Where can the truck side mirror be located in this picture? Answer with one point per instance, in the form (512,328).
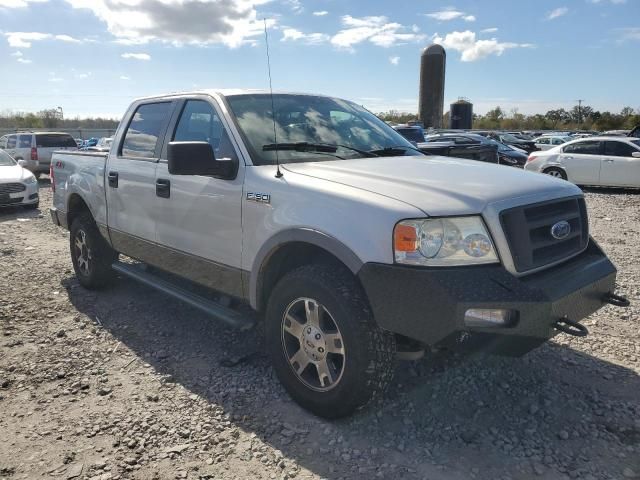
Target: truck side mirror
(635,154)
(197,158)
(22,163)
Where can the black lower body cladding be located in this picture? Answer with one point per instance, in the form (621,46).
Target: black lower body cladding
(429,304)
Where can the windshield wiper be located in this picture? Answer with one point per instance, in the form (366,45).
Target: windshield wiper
(314,147)
(393,149)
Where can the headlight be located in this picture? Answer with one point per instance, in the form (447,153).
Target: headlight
(443,242)
(30,180)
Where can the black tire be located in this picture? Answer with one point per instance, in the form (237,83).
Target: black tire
(33,206)
(369,352)
(37,175)
(555,172)
(97,271)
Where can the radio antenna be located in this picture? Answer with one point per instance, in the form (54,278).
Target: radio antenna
(273,107)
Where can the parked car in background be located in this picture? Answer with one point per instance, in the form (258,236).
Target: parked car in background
(508,139)
(414,134)
(546,142)
(635,132)
(617,133)
(18,186)
(36,148)
(460,145)
(91,142)
(79,142)
(508,155)
(103,145)
(603,161)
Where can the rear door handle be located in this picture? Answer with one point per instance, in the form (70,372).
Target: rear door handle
(163,188)
(113,179)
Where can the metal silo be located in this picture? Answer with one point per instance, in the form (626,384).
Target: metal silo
(432,71)
(461,115)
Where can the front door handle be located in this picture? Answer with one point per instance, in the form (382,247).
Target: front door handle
(113,179)
(609,160)
(163,188)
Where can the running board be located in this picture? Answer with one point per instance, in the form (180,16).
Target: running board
(220,312)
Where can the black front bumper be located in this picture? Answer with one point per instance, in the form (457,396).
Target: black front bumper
(429,304)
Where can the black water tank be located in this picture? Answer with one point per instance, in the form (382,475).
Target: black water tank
(432,72)
(461,115)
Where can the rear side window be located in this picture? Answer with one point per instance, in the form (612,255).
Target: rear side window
(54,140)
(619,149)
(11,141)
(543,141)
(145,128)
(3,142)
(24,141)
(585,148)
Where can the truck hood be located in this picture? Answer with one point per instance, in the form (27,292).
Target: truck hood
(438,185)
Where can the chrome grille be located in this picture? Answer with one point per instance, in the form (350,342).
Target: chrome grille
(528,232)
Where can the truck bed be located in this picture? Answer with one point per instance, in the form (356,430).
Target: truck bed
(81,173)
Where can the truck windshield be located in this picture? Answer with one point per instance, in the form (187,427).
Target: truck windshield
(311,120)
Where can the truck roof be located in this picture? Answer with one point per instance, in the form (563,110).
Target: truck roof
(225,92)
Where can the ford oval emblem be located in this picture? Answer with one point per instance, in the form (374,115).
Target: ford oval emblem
(561,230)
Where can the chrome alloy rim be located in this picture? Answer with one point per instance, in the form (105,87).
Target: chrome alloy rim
(83,253)
(313,344)
(554,173)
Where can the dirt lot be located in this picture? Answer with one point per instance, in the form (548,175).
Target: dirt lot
(125,383)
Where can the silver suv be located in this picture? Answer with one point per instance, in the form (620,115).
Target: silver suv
(36,148)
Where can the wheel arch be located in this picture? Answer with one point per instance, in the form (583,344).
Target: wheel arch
(76,205)
(290,249)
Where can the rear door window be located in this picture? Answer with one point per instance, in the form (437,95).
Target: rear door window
(11,141)
(24,141)
(589,147)
(543,141)
(144,130)
(619,149)
(55,140)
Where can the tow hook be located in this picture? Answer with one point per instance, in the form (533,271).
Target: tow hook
(570,327)
(616,300)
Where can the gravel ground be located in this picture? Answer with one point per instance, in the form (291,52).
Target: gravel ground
(126,383)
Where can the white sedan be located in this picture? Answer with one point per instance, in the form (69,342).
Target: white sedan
(547,142)
(18,186)
(603,161)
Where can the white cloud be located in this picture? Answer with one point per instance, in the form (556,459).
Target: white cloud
(557,12)
(308,38)
(24,39)
(448,14)
(67,38)
(83,76)
(54,78)
(24,60)
(295,6)
(18,3)
(473,49)
(394,60)
(489,30)
(17,54)
(136,56)
(615,2)
(124,77)
(377,30)
(321,13)
(628,34)
(230,22)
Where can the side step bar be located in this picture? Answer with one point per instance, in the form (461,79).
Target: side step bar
(220,312)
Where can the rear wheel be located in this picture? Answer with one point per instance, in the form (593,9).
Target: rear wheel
(556,172)
(91,255)
(324,344)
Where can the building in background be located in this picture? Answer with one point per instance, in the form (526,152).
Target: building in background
(431,96)
(461,115)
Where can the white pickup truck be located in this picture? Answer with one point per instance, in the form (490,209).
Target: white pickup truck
(354,247)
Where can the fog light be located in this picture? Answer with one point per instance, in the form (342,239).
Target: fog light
(489,317)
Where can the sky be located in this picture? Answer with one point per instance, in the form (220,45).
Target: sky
(93,57)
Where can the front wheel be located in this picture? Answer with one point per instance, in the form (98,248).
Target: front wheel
(556,172)
(325,346)
(91,255)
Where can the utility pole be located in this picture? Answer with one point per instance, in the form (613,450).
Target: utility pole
(580,100)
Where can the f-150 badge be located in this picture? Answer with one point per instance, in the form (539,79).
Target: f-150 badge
(259,197)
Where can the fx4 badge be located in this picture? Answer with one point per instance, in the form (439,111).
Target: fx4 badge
(259,197)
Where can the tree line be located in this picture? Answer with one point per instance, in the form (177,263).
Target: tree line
(578,118)
(52,119)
